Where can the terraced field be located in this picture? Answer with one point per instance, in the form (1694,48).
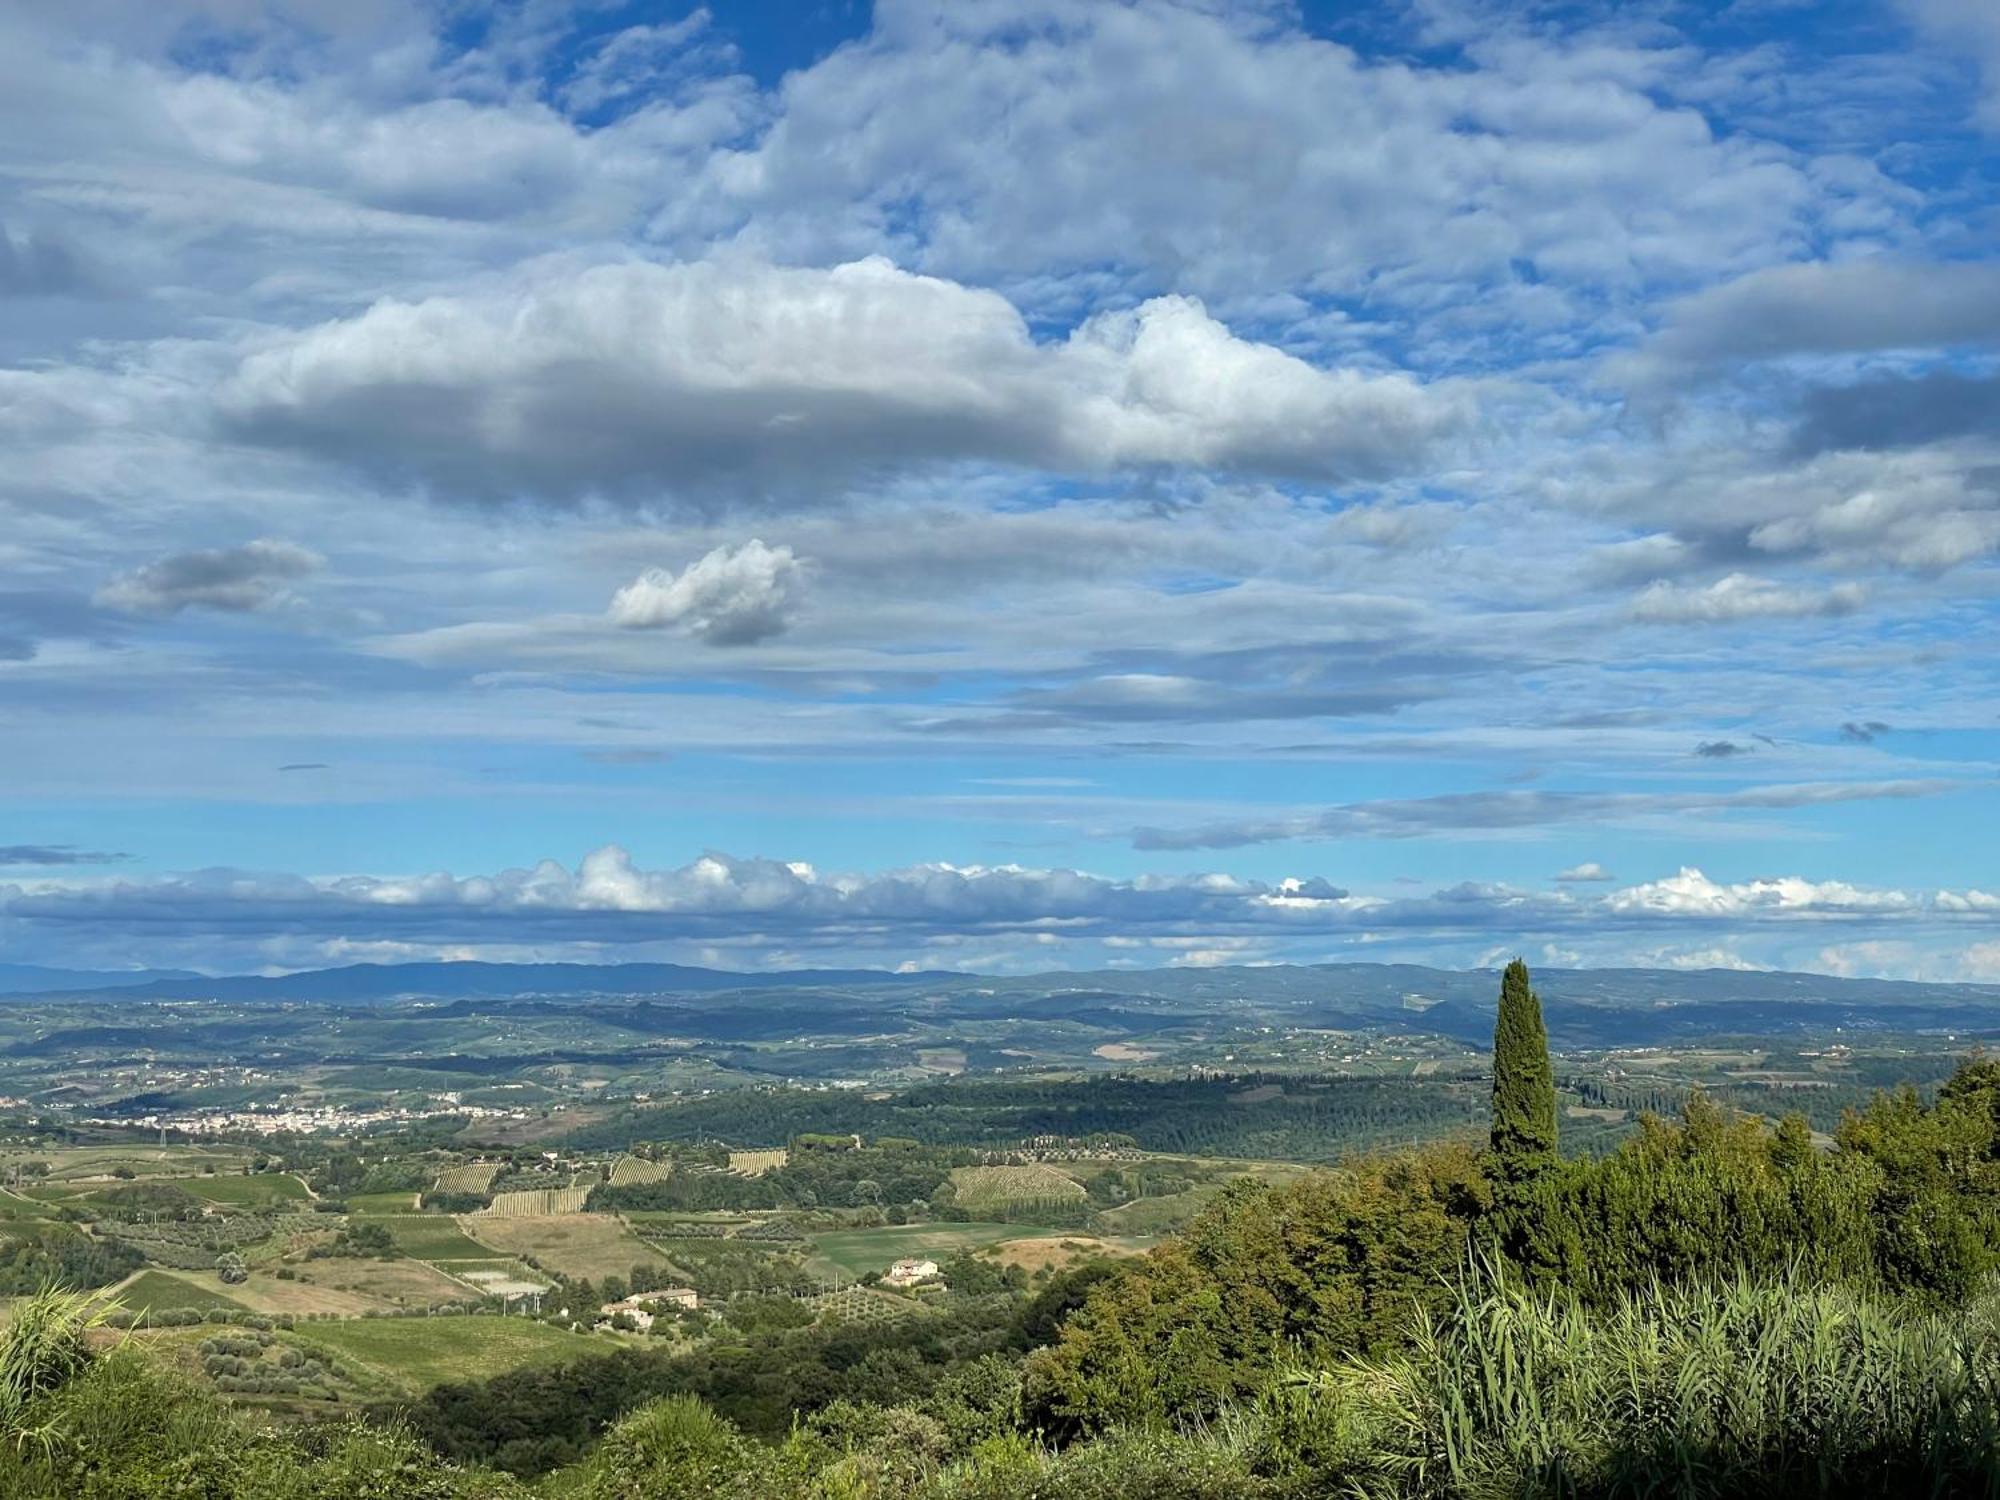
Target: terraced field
(537,1202)
(630,1171)
(468,1177)
(1000,1189)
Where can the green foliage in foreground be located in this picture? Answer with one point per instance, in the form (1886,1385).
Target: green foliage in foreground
(1338,1264)
(1772,1387)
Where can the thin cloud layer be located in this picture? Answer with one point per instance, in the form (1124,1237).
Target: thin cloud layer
(1476,812)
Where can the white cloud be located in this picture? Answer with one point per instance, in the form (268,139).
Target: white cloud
(1691,893)
(1924,527)
(730,597)
(1741,596)
(1589,872)
(731,376)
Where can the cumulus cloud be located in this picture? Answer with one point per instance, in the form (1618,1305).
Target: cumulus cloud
(1691,893)
(1742,596)
(1473,812)
(730,597)
(232,579)
(734,376)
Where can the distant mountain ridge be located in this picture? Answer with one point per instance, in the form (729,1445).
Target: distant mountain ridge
(1449,999)
(36,979)
(466,979)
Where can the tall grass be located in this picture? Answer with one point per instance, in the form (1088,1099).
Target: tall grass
(45,1346)
(1776,1388)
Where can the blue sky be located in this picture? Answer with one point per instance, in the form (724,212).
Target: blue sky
(999,484)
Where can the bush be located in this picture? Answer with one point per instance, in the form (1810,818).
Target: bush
(675,1449)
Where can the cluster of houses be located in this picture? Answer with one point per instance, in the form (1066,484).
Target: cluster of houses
(642,1310)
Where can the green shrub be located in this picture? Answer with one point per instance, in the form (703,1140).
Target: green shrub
(675,1449)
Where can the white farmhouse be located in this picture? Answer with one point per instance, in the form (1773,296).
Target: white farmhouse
(910,1272)
(641,1319)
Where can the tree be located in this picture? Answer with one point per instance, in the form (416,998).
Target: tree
(1524,1084)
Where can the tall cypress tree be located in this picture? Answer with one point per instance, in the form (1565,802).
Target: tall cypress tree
(1524,1081)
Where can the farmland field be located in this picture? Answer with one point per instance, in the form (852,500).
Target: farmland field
(266,1294)
(402,1283)
(593,1245)
(1059,1252)
(409,1355)
(429,1236)
(382,1203)
(756,1163)
(1158,1215)
(158,1291)
(247,1192)
(856,1250)
(144,1161)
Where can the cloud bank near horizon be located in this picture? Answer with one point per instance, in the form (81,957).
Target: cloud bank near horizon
(770,913)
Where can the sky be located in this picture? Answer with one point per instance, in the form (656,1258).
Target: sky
(1000,484)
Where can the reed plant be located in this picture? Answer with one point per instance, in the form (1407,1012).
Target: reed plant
(1777,1387)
